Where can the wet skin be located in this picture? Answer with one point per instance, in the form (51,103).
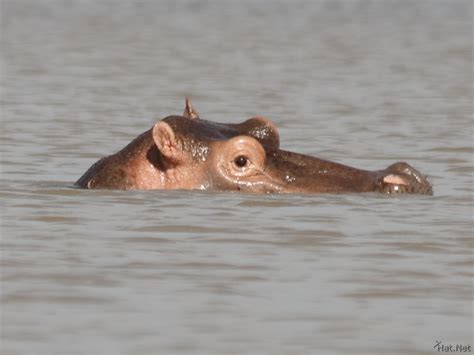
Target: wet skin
(186,152)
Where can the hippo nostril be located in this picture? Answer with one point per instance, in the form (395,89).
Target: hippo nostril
(415,182)
(394,179)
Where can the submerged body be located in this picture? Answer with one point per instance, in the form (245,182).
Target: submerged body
(186,152)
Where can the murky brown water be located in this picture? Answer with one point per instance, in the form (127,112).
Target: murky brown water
(362,83)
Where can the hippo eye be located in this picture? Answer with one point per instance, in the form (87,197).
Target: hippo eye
(241,161)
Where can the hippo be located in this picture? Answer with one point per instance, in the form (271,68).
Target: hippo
(187,152)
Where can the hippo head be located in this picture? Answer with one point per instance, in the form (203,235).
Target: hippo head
(216,158)
(186,152)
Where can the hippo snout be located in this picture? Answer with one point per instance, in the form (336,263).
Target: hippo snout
(403,178)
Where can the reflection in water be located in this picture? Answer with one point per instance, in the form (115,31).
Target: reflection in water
(147,272)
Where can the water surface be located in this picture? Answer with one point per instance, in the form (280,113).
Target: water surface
(187,272)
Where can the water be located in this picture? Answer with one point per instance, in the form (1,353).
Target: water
(183,272)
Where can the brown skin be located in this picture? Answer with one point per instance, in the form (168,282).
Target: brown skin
(185,152)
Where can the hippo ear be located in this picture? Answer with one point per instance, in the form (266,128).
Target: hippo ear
(189,111)
(165,140)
